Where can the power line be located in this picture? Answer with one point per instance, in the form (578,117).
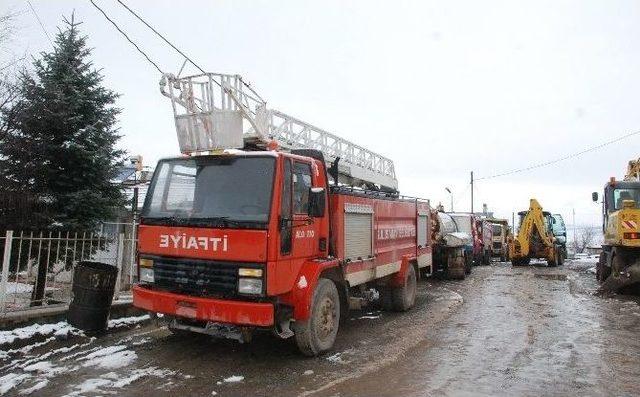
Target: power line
(127,37)
(35,14)
(570,156)
(159,35)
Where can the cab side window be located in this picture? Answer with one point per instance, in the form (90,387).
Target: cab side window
(301,186)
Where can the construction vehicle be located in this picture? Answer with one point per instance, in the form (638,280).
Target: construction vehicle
(269,223)
(535,238)
(618,268)
(559,230)
(486,232)
(500,238)
(449,247)
(467,223)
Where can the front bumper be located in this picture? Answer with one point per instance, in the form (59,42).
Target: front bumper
(204,309)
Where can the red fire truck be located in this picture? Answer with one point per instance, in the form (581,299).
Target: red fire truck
(234,241)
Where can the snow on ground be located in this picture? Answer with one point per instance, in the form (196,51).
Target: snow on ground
(234,378)
(18,288)
(9,381)
(60,329)
(124,321)
(368,317)
(39,385)
(110,357)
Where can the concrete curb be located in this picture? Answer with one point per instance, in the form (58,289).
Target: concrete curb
(56,313)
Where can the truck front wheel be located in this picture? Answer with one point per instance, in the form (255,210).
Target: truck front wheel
(318,333)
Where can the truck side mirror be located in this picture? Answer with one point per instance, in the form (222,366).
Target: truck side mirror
(316,202)
(594,197)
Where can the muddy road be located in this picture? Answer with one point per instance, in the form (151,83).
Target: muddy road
(503,331)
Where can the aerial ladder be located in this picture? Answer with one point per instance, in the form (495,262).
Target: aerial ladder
(535,238)
(618,268)
(215,112)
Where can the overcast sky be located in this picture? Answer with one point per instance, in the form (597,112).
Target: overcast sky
(442,88)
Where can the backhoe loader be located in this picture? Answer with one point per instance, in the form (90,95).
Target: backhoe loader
(535,238)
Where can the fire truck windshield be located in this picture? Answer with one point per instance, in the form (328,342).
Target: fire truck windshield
(218,191)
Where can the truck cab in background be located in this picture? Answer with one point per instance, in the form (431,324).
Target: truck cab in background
(486,231)
(619,265)
(559,230)
(499,239)
(467,223)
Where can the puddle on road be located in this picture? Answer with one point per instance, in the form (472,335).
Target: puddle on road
(547,276)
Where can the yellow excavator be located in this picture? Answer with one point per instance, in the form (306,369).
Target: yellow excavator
(619,266)
(535,238)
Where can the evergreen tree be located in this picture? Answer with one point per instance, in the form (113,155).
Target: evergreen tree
(61,147)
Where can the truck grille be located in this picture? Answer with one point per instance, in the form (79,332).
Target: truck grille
(497,246)
(198,277)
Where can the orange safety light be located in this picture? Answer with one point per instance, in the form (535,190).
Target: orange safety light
(272,145)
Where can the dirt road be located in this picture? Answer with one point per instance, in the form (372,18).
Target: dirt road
(503,331)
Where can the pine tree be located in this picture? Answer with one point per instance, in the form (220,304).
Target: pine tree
(61,148)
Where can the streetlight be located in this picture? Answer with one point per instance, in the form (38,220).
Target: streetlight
(451,194)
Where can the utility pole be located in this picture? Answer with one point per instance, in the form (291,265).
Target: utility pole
(472,192)
(513,222)
(450,194)
(575,238)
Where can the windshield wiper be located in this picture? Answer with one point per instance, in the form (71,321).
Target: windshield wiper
(215,221)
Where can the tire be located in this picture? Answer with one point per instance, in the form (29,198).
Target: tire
(618,264)
(404,298)
(602,270)
(317,334)
(468,263)
(556,257)
(455,269)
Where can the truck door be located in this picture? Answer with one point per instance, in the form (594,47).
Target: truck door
(298,232)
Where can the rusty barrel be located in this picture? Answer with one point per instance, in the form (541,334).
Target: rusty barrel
(92,294)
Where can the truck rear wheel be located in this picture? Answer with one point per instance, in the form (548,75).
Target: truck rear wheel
(404,298)
(602,270)
(318,333)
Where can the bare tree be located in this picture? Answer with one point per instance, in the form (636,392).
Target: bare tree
(9,72)
(584,239)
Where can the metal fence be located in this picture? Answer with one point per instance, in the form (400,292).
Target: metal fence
(31,259)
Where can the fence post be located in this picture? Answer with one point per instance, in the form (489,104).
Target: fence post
(132,250)
(6,260)
(119,263)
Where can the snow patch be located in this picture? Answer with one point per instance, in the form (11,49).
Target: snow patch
(61,329)
(18,288)
(10,381)
(335,358)
(110,357)
(124,321)
(234,379)
(368,317)
(308,372)
(35,387)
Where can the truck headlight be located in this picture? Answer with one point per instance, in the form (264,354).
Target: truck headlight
(146,275)
(250,286)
